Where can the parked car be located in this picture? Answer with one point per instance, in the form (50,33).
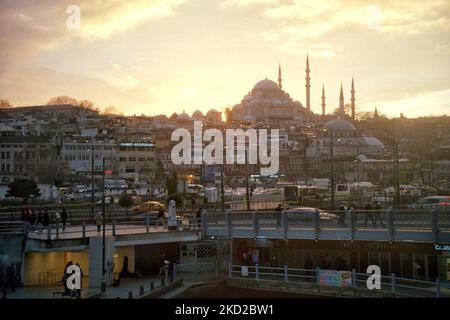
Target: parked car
(432,202)
(148,207)
(308,212)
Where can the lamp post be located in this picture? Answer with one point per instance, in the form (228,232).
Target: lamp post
(222,186)
(92,177)
(331,167)
(103,284)
(396,166)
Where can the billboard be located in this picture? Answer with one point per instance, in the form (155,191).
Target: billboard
(335,278)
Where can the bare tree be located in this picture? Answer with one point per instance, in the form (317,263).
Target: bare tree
(5,103)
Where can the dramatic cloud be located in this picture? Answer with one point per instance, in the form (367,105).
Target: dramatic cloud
(163,56)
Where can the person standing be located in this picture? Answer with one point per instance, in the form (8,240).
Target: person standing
(98,221)
(40,220)
(369,214)
(46,220)
(160,216)
(57,220)
(3,278)
(378,214)
(162,265)
(78,291)
(11,277)
(64,218)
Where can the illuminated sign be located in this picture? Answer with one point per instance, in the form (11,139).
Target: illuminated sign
(442,247)
(136,144)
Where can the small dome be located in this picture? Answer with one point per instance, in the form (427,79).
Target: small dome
(197,113)
(373,142)
(339,124)
(266,84)
(212,112)
(183,116)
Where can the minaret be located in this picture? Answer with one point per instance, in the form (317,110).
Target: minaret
(279,76)
(307,85)
(341,102)
(352,99)
(323,100)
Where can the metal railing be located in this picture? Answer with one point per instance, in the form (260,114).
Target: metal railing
(281,224)
(116,228)
(356,283)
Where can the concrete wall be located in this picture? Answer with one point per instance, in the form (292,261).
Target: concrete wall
(47,268)
(95,258)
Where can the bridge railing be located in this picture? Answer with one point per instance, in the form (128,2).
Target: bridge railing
(391,221)
(12,227)
(351,281)
(56,231)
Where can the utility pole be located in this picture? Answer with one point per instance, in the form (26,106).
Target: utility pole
(332,168)
(396,166)
(104,223)
(222,189)
(92,178)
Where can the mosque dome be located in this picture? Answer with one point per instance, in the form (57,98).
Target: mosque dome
(266,84)
(183,116)
(373,142)
(197,113)
(340,124)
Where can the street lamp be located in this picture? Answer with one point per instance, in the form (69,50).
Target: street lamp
(92,177)
(330,130)
(103,284)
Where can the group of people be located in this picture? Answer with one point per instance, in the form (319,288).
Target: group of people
(43,219)
(7,276)
(372,213)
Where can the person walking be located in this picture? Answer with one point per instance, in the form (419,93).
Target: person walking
(57,220)
(98,221)
(11,277)
(369,214)
(78,291)
(40,220)
(3,277)
(162,265)
(64,219)
(160,216)
(378,214)
(279,209)
(198,217)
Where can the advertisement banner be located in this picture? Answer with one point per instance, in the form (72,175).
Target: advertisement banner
(335,278)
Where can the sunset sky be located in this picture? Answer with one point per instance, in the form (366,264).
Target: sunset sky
(153,57)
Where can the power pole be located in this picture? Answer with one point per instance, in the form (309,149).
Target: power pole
(92,178)
(332,168)
(222,189)
(396,166)
(104,222)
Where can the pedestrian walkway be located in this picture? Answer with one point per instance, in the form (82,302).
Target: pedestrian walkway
(122,291)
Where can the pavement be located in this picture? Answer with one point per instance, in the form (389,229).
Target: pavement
(120,292)
(76,232)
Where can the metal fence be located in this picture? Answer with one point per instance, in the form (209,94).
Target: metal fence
(435,221)
(357,282)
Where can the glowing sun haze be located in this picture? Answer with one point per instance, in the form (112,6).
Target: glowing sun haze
(153,57)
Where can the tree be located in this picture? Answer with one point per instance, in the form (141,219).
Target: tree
(5,103)
(23,188)
(62,100)
(228,115)
(125,201)
(171,183)
(111,110)
(160,175)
